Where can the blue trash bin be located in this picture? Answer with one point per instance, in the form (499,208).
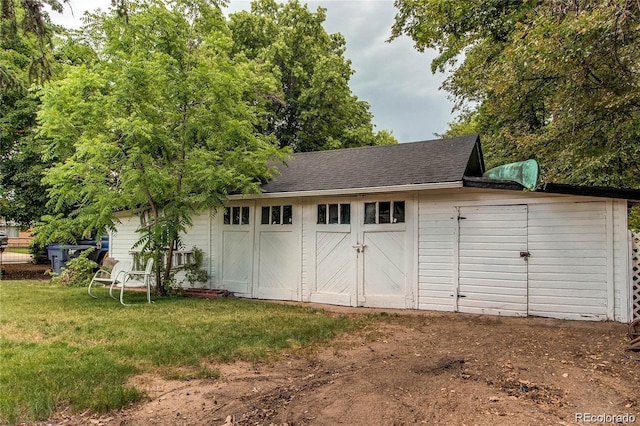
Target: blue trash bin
(58,257)
(59,254)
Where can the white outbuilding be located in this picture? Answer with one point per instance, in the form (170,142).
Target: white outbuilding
(416,226)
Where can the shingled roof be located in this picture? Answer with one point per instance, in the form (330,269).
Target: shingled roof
(434,161)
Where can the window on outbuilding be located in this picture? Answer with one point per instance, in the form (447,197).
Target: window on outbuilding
(334,214)
(236,216)
(384,212)
(277,215)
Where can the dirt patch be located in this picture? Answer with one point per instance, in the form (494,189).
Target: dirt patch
(411,368)
(25,271)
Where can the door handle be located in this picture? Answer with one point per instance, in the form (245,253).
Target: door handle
(525,255)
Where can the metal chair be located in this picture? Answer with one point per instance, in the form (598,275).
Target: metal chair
(109,277)
(142,279)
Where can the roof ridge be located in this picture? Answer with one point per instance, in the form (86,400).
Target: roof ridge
(462,137)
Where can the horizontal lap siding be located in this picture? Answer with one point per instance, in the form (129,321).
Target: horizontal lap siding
(576,266)
(568,264)
(492,275)
(198,236)
(124,237)
(436,244)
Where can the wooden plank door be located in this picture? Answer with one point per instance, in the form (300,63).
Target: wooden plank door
(334,272)
(568,264)
(277,255)
(493,253)
(385,257)
(236,248)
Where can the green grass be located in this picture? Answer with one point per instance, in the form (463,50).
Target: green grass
(17,250)
(59,347)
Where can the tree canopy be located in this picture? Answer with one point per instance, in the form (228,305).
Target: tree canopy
(556,81)
(163,119)
(26,61)
(316,109)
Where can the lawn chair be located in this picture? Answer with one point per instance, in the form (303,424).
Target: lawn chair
(109,277)
(135,279)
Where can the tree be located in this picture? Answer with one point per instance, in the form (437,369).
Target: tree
(316,110)
(557,81)
(164,121)
(26,60)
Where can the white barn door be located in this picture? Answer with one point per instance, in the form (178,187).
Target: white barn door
(335,262)
(362,252)
(493,260)
(236,247)
(277,251)
(386,253)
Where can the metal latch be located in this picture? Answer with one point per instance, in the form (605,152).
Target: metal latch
(525,255)
(359,247)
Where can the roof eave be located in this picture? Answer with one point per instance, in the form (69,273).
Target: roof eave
(632,195)
(350,191)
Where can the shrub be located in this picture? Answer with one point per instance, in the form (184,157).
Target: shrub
(78,272)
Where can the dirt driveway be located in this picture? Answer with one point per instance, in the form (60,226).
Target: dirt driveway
(412,368)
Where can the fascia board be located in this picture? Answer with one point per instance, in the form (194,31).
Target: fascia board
(350,191)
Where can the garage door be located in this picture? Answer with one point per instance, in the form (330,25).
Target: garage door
(237,249)
(277,255)
(361,253)
(334,273)
(492,269)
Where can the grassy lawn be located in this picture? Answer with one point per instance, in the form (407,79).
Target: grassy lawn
(17,250)
(60,347)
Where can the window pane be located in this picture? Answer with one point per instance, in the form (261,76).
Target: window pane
(322,213)
(265,216)
(275,215)
(227,216)
(236,215)
(245,215)
(345,214)
(287,215)
(369,212)
(333,213)
(385,212)
(398,212)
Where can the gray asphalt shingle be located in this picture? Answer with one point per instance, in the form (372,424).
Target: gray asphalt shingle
(434,161)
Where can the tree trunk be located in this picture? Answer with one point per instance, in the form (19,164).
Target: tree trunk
(169,265)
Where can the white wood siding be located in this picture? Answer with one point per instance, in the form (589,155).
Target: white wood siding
(579,260)
(124,237)
(588,263)
(437,246)
(568,264)
(198,236)
(621,262)
(214,241)
(492,274)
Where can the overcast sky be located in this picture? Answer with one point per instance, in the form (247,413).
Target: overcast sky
(393,78)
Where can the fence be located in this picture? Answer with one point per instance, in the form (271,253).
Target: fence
(11,255)
(635,275)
